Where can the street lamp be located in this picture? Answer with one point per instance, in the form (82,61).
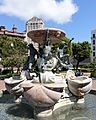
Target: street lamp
(0,59)
(71,39)
(12,45)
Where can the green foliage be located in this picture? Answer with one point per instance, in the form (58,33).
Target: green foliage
(81,51)
(12,51)
(54,48)
(86,69)
(6,71)
(93,65)
(8,75)
(93,74)
(87,66)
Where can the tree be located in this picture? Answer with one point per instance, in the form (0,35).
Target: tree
(12,51)
(81,51)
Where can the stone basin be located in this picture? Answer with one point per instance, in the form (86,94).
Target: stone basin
(39,35)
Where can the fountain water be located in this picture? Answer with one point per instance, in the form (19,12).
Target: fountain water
(14,111)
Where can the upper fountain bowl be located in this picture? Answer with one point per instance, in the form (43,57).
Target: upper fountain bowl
(39,35)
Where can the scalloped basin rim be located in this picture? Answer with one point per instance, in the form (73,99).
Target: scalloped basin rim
(38,35)
(12,81)
(81,79)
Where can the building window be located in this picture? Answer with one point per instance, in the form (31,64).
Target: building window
(93,35)
(93,42)
(28,28)
(36,25)
(93,54)
(93,47)
(33,26)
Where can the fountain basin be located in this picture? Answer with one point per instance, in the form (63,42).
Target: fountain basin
(39,35)
(80,86)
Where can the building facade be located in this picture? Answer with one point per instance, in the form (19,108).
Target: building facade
(34,23)
(31,24)
(93,45)
(12,33)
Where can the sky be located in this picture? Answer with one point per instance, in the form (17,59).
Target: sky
(76,17)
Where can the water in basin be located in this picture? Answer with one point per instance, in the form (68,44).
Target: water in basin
(12,111)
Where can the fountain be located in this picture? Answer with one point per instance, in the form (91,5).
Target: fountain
(45,89)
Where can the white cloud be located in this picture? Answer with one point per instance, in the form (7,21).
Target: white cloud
(59,11)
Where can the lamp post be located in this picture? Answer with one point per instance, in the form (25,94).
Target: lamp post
(12,45)
(0,59)
(72,39)
(70,57)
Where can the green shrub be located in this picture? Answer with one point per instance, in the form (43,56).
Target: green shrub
(93,74)
(2,77)
(6,71)
(86,69)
